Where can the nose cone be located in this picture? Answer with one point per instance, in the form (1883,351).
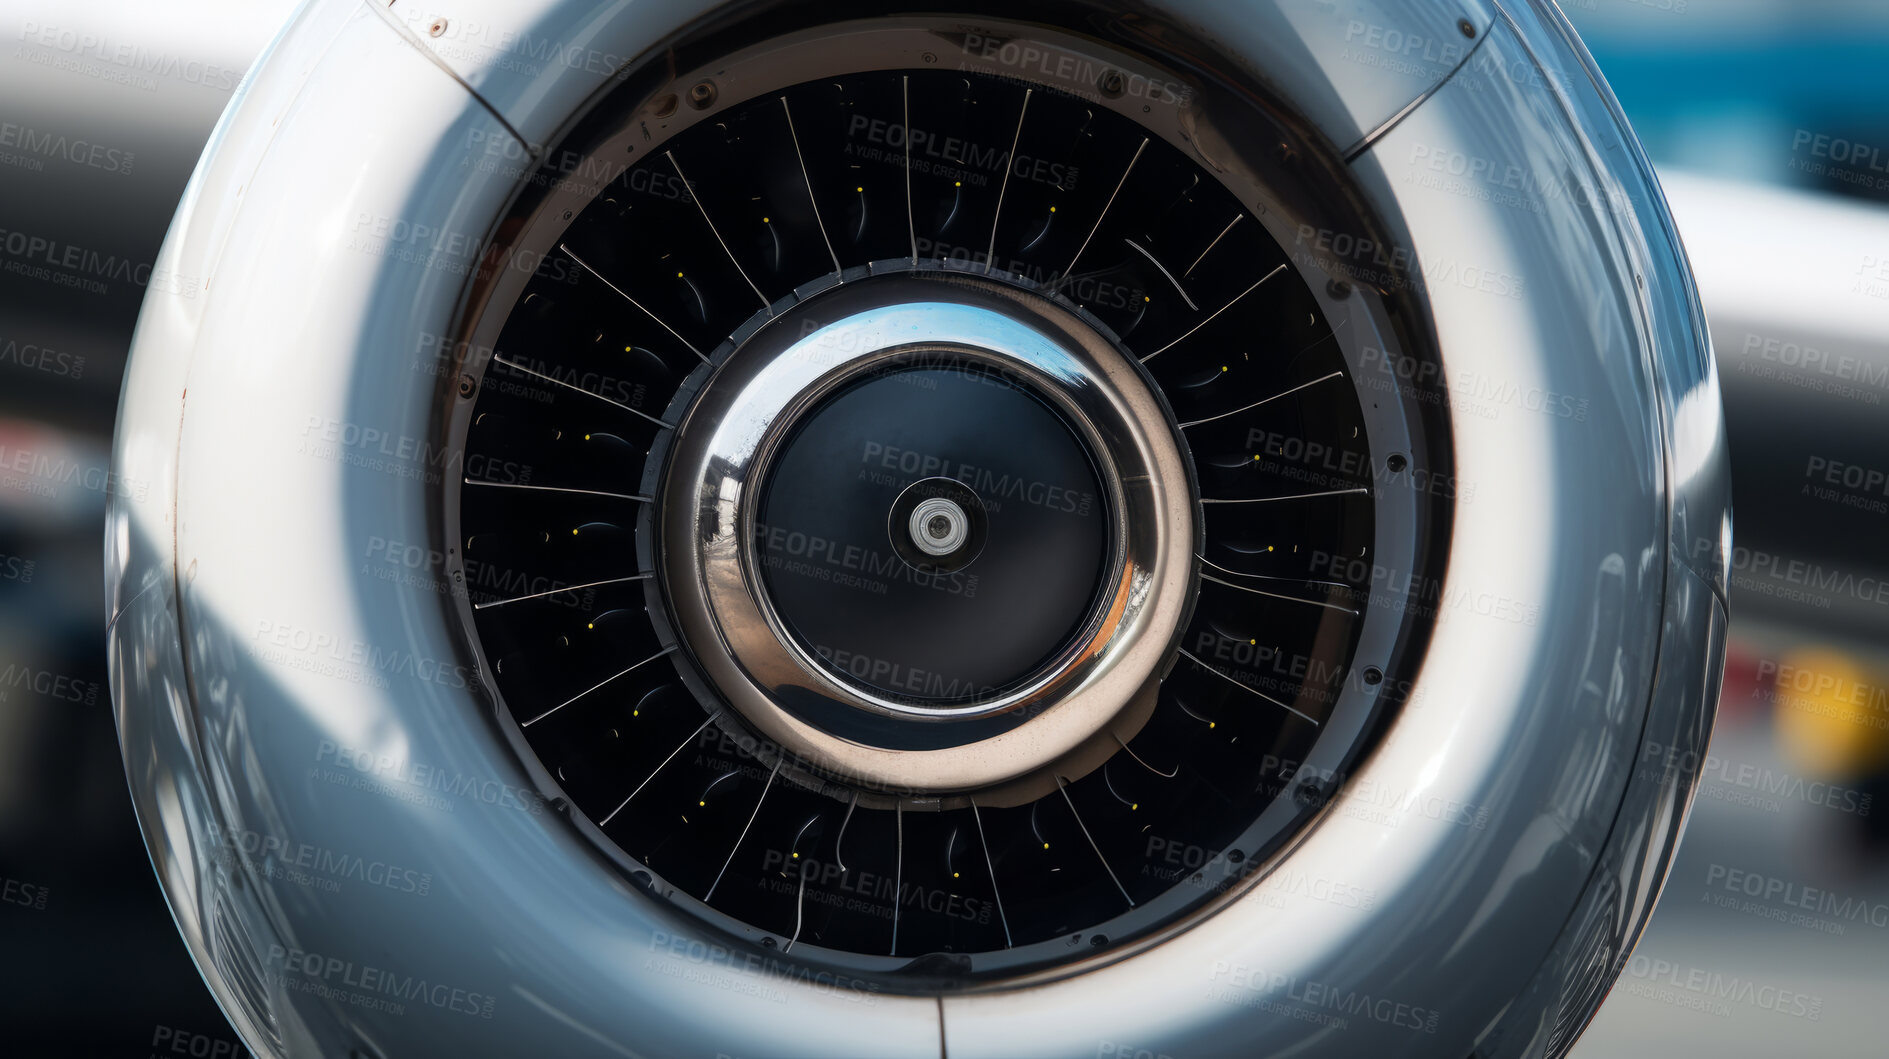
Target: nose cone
(934,533)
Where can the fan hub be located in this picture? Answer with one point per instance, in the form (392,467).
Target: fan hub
(929,532)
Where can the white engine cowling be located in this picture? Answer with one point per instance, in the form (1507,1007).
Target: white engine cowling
(1130,531)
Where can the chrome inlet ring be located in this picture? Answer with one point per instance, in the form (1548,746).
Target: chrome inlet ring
(1098,687)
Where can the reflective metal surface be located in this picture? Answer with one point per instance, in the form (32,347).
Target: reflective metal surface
(1096,688)
(1509,850)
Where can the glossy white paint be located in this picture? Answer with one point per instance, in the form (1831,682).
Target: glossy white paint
(279,405)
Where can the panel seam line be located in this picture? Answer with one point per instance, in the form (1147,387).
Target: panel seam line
(1371,138)
(385,11)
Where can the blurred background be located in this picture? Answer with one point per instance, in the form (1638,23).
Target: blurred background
(1769,122)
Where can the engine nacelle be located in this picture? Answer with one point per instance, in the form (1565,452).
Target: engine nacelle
(778,529)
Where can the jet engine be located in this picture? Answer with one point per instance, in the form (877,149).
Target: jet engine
(770,528)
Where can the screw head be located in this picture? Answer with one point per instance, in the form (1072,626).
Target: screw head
(702,96)
(437,28)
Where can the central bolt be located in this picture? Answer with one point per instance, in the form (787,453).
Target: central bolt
(938,526)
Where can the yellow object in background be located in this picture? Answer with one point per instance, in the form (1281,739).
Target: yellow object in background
(1832,713)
